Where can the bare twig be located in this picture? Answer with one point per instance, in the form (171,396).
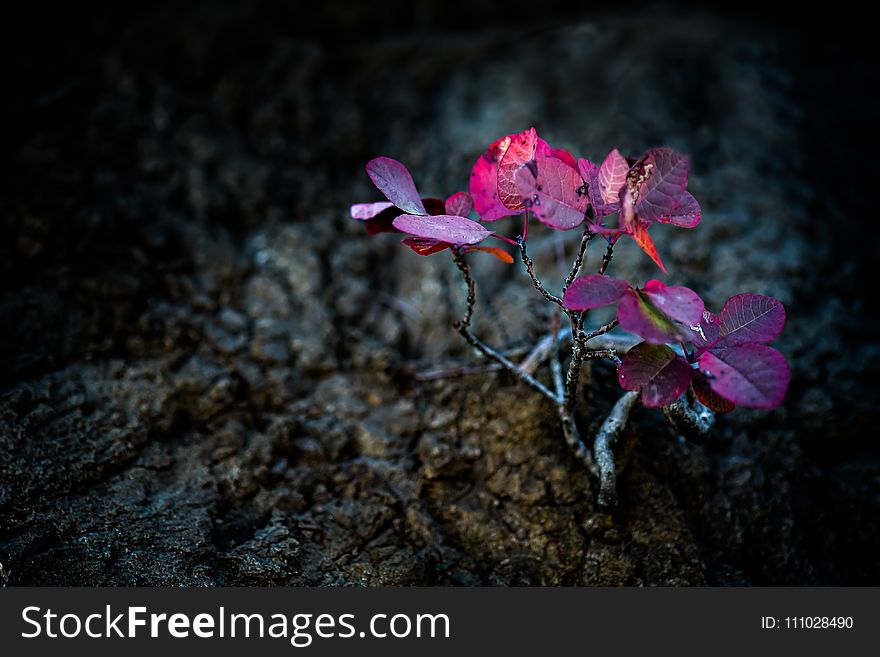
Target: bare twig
(463,327)
(603,444)
(579,259)
(607,258)
(530,269)
(690,418)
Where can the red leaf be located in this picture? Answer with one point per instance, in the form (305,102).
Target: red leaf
(639,233)
(521,150)
(396,183)
(501,254)
(594,291)
(708,397)
(425,247)
(679,303)
(434,206)
(459,203)
(445,228)
(750,318)
(657,371)
(484,182)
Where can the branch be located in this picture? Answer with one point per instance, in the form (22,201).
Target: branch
(605,439)
(463,327)
(690,418)
(539,286)
(579,259)
(607,258)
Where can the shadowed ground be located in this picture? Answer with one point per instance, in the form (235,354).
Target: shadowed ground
(209,371)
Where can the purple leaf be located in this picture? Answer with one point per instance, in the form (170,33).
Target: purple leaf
(708,397)
(594,291)
(484,182)
(686,215)
(521,150)
(605,182)
(424,247)
(666,178)
(657,371)
(637,314)
(752,375)
(678,303)
(444,227)
(553,191)
(364,211)
(749,318)
(393,180)
(459,203)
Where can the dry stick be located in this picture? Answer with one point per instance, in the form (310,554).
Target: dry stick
(463,327)
(602,446)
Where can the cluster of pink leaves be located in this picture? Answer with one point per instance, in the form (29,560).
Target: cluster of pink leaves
(725,359)
(522,173)
(727,363)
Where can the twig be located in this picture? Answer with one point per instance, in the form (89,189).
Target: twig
(603,444)
(690,418)
(530,269)
(607,258)
(579,259)
(463,327)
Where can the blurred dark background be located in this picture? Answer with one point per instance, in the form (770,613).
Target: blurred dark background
(208,372)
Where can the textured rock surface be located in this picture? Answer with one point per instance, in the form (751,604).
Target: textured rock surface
(207,375)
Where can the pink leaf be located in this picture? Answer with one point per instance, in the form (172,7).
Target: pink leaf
(459,203)
(750,318)
(594,291)
(396,183)
(364,211)
(544,149)
(666,178)
(687,215)
(425,247)
(752,375)
(680,304)
(606,182)
(484,182)
(657,371)
(708,397)
(521,150)
(444,227)
(553,191)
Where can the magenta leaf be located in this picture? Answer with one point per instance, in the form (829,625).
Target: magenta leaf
(657,371)
(708,397)
(752,375)
(396,183)
(484,182)
(459,203)
(553,191)
(521,150)
(679,303)
(594,291)
(686,215)
(424,247)
(444,227)
(749,318)
(364,211)
(666,174)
